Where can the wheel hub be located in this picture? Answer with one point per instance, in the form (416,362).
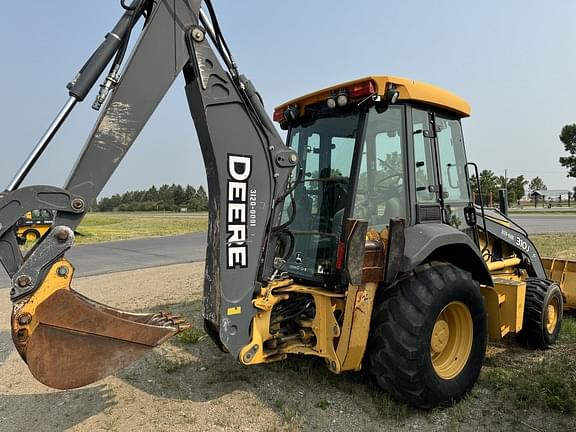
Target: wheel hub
(440,335)
(552,316)
(451,340)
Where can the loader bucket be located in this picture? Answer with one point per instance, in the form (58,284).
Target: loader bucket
(563,272)
(69,341)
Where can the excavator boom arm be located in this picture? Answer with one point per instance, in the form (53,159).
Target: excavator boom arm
(247,164)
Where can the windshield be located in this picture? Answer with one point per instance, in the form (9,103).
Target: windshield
(325,149)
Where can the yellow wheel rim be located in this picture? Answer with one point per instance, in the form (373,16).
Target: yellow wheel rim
(552,315)
(451,340)
(31,236)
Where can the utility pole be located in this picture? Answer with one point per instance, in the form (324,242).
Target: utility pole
(506,185)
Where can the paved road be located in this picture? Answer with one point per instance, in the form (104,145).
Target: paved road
(152,252)
(126,255)
(537,224)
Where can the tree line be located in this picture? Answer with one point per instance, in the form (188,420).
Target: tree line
(490,184)
(164,198)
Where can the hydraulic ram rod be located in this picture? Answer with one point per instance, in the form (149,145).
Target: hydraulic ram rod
(79,88)
(42,144)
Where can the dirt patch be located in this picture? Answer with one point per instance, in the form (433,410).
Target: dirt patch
(189,385)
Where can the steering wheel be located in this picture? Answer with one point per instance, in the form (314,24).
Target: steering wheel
(381,188)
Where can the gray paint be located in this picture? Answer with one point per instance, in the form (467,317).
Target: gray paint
(38,263)
(157,59)
(229,119)
(422,240)
(229,122)
(14,205)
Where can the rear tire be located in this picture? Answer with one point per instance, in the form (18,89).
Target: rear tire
(543,311)
(428,336)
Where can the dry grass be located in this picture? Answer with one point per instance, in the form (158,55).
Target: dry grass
(101,227)
(561,245)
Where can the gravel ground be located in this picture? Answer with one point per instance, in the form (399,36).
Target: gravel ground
(191,386)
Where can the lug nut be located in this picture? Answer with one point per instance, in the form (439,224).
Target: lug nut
(23,281)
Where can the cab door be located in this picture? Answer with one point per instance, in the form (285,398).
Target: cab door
(440,176)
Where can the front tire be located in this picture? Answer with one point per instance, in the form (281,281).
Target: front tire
(428,336)
(543,310)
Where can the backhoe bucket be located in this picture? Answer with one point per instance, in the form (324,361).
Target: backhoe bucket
(69,341)
(563,272)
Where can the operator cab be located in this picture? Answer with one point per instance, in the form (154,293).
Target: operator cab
(372,149)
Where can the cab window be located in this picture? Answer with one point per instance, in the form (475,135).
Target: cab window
(381,191)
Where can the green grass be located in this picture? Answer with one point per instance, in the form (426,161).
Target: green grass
(190,336)
(568,332)
(166,363)
(101,227)
(549,383)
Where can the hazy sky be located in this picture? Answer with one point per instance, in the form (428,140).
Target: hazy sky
(513,61)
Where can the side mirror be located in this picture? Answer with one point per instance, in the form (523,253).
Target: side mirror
(470,215)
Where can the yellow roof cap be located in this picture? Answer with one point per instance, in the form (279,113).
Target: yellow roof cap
(410,90)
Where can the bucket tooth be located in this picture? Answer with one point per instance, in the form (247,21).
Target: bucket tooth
(68,340)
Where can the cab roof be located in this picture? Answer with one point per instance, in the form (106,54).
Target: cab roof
(409,90)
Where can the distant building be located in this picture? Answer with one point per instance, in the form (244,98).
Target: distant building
(556,194)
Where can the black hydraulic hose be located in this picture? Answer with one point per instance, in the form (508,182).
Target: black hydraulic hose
(125,6)
(124,47)
(96,64)
(288,254)
(294,185)
(220,37)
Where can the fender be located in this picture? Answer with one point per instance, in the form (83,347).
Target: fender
(439,242)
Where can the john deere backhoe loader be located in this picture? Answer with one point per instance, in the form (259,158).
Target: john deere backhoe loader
(356,241)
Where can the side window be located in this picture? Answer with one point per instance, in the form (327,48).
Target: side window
(452,164)
(424,164)
(341,156)
(452,160)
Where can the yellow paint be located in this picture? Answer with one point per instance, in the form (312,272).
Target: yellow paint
(360,328)
(505,306)
(552,315)
(52,283)
(234,310)
(40,228)
(500,265)
(341,342)
(409,90)
(563,272)
(451,341)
